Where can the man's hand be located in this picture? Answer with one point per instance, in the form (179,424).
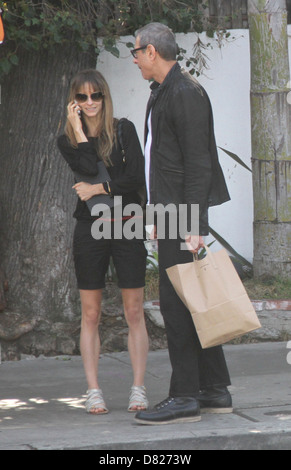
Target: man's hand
(194,243)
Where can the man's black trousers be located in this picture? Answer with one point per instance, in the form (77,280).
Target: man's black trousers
(193,368)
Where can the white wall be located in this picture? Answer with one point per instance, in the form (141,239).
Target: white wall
(228,84)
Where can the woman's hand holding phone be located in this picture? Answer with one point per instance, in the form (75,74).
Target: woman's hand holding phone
(74,114)
(74,118)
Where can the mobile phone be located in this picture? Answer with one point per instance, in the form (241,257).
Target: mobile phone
(78,110)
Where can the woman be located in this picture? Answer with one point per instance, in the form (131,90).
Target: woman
(91,136)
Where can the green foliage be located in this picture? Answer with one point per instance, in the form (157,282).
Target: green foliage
(34,25)
(153,261)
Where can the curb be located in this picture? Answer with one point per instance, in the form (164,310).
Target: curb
(284,305)
(274,315)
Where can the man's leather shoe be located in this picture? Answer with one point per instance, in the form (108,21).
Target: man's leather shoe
(215,400)
(171,410)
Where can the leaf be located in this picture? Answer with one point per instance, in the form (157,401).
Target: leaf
(228,247)
(114,51)
(236,158)
(98,23)
(5,65)
(14,59)
(202,253)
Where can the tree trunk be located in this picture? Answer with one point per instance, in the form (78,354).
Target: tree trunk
(36,198)
(271,137)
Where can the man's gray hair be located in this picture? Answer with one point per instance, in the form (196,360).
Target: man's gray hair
(161,37)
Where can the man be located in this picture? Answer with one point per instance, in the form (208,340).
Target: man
(182,168)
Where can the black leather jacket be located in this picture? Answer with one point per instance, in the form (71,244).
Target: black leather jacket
(184,162)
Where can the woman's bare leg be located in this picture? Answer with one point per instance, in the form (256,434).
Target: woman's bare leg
(90,340)
(138,343)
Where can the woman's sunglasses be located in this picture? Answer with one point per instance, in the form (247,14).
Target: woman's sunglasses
(82,98)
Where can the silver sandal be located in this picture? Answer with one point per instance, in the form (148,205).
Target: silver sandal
(95,401)
(137,399)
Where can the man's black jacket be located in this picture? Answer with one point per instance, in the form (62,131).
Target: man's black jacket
(184,166)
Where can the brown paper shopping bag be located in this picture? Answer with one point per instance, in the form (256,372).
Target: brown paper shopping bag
(216,298)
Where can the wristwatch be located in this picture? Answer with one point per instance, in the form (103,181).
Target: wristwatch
(106,187)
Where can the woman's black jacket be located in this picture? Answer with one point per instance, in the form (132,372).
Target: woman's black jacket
(127,175)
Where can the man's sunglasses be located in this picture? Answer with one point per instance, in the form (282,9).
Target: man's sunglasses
(82,98)
(134,51)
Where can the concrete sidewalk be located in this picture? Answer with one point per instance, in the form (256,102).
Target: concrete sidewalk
(41,405)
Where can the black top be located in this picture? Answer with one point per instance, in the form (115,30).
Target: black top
(127,177)
(184,161)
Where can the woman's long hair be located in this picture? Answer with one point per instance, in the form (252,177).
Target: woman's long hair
(107,133)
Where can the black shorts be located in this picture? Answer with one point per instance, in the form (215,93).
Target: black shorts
(91,259)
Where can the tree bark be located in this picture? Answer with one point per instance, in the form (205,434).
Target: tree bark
(36,196)
(271,137)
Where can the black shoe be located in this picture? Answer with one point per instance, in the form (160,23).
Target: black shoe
(215,400)
(171,410)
